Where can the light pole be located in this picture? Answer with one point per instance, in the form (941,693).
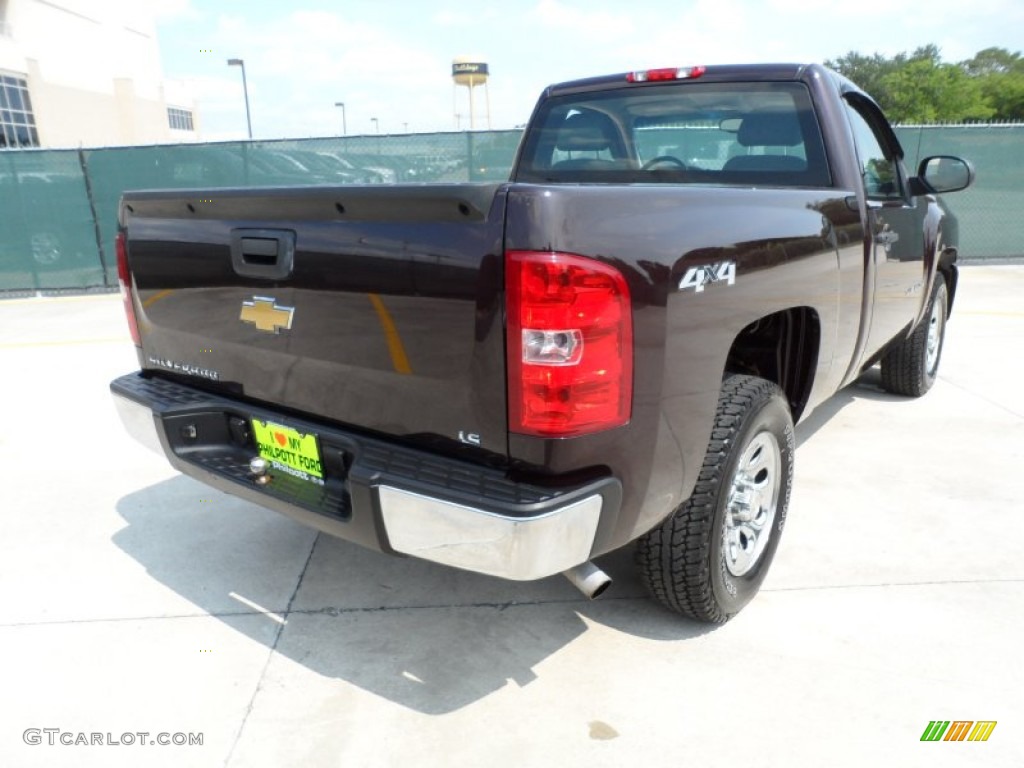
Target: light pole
(376,124)
(344,127)
(245,88)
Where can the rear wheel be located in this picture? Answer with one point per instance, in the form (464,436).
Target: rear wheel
(910,368)
(708,559)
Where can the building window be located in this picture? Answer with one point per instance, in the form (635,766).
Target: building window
(180,119)
(5,27)
(17,123)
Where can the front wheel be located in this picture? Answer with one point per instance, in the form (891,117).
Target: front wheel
(910,367)
(708,559)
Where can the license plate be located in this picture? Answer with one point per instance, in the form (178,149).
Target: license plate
(289,450)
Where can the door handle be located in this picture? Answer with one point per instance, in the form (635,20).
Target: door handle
(886,238)
(267,254)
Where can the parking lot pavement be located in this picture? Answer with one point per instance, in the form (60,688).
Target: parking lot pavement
(134,600)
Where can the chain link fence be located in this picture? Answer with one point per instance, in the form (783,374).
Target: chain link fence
(991,226)
(48,236)
(59,207)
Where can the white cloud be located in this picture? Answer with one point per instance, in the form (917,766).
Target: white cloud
(165,10)
(465,16)
(393,62)
(293,87)
(743,31)
(583,18)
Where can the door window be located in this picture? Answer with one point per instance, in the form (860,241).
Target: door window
(878,167)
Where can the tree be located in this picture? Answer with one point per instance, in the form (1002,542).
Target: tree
(1001,75)
(871,72)
(927,91)
(1005,92)
(993,61)
(865,71)
(920,87)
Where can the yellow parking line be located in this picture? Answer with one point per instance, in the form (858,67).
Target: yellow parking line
(157,296)
(398,357)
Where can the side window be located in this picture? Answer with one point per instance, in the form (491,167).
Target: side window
(878,169)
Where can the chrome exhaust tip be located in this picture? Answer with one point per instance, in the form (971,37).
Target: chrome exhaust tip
(588,579)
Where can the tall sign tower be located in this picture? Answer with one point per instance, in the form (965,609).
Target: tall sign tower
(470,71)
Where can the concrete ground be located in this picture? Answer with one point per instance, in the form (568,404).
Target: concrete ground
(133,599)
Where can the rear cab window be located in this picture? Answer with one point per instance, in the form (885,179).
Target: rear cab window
(763,134)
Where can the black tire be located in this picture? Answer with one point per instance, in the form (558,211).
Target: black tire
(910,367)
(686,562)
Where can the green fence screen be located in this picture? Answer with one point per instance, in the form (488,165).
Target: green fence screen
(991,225)
(59,207)
(47,226)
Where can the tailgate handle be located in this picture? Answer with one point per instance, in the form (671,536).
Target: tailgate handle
(267,254)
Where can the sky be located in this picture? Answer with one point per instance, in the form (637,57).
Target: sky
(391,59)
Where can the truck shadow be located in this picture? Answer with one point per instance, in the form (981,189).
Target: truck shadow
(429,638)
(867,387)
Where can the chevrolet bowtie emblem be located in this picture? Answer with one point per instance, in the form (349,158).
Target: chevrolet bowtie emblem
(266,315)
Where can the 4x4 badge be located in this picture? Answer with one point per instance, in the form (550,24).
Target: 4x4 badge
(698,277)
(266,315)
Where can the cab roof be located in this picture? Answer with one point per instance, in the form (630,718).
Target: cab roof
(712,73)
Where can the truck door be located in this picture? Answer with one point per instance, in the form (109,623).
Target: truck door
(894,231)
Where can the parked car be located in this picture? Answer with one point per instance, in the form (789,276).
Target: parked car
(374,170)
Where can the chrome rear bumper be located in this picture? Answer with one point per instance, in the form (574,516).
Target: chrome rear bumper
(389,497)
(481,541)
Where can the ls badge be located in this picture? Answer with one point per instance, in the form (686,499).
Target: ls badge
(266,315)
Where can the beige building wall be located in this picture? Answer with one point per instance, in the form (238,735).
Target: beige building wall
(93,71)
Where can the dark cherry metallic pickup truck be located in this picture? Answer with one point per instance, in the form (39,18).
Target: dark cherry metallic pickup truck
(515,378)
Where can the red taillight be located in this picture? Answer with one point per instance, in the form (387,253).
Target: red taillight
(667,73)
(124,279)
(569,344)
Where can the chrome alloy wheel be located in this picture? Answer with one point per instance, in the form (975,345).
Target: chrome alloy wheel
(753,499)
(936,324)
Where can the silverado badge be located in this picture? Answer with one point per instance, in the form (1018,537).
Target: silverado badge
(266,315)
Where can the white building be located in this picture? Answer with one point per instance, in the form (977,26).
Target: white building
(87,73)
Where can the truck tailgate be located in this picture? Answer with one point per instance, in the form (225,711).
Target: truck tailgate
(373,307)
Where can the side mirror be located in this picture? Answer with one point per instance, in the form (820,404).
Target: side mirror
(945,173)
